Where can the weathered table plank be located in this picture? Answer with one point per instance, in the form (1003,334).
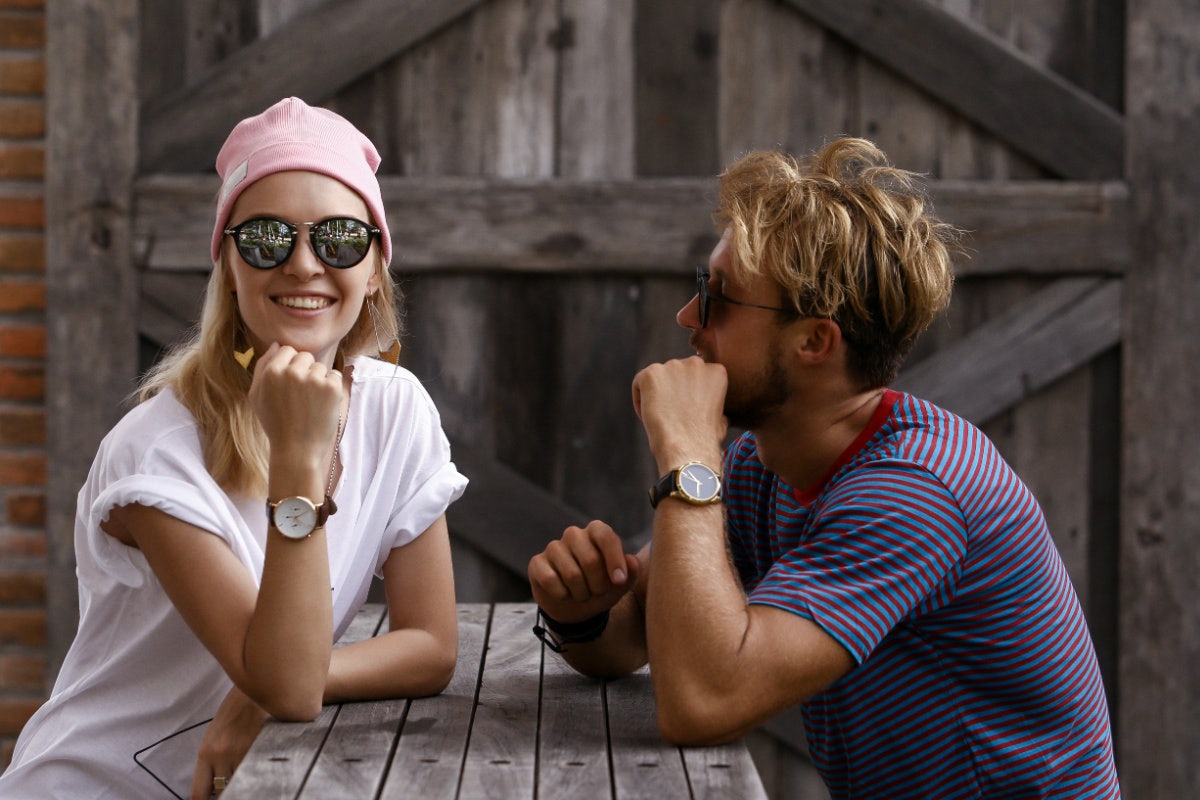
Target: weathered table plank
(433,741)
(573,735)
(500,759)
(644,764)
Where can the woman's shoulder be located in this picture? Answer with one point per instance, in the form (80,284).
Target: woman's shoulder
(381,379)
(161,421)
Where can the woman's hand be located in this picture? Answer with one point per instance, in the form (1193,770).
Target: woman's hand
(226,742)
(298,401)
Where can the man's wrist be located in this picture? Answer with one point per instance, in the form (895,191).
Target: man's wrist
(557,635)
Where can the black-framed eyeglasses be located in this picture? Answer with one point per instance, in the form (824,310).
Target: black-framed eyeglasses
(706,297)
(266,242)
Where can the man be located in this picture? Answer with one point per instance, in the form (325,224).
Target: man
(870,556)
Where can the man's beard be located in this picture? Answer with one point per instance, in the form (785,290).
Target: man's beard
(755,405)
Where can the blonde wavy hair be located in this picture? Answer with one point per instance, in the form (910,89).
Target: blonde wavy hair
(848,237)
(214,387)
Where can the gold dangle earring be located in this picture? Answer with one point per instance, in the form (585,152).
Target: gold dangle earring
(392,353)
(244,357)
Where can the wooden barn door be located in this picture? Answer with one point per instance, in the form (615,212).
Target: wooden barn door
(548,171)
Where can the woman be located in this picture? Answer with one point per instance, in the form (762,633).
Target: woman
(270,467)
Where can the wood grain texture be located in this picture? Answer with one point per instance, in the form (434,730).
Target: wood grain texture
(434,738)
(1021,351)
(91,365)
(561,226)
(179,128)
(572,734)
(1158,740)
(1039,113)
(644,764)
(500,760)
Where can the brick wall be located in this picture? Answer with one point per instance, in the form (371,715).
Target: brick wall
(22,367)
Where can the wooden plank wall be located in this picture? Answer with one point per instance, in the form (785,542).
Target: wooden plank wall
(529,357)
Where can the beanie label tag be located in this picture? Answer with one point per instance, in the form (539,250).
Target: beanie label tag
(237,176)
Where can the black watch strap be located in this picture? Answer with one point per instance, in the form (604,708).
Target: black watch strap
(663,489)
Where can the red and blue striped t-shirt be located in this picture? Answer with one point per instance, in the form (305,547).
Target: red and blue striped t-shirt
(929,560)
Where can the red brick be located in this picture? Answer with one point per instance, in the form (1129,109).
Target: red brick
(23,382)
(16,544)
(22,212)
(23,627)
(22,469)
(19,29)
(19,295)
(22,252)
(23,672)
(28,510)
(22,119)
(14,713)
(23,76)
(22,341)
(25,162)
(22,426)
(22,587)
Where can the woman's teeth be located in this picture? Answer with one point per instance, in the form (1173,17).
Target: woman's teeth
(303,302)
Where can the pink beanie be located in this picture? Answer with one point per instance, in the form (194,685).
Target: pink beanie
(292,135)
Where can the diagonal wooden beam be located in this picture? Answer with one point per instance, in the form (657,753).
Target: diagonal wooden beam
(182,130)
(1015,354)
(504,514)
(1036,111)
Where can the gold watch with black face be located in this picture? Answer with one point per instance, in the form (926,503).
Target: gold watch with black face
(297,517)
(694,483)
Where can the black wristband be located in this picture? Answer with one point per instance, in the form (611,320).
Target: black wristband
(557,634)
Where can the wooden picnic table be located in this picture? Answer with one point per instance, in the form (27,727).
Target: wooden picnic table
(515,722)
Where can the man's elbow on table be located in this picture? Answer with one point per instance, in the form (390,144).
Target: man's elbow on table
(689,722)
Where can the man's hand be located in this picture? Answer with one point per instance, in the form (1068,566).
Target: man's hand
(681,404)
(582,574)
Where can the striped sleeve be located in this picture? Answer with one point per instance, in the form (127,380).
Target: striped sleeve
(887,540)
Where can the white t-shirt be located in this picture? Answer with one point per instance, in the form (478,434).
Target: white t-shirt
(135,673)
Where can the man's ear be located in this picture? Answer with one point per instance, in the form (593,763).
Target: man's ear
(817,339)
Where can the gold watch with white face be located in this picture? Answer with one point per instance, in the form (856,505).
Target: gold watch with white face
(297,517)
(694,483)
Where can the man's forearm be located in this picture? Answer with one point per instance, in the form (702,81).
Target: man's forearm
(620,650)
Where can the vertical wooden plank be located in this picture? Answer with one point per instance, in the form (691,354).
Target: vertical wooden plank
(1046,441)
(1157,736)
(429,755)
(1104,515)
(644,764)
(91,157)
(676,47)
(492,114)
(785,83)
(280,759)
(596,110)
(354,760)
(215,28)
(500,757)
(572,734)
(724,772)
(597,316)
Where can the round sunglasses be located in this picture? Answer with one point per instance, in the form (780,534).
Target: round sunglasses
(266,242)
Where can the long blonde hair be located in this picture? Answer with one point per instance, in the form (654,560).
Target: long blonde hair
(848,237)
(214,387)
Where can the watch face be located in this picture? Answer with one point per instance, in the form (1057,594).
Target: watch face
(699,483)
(295,517)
